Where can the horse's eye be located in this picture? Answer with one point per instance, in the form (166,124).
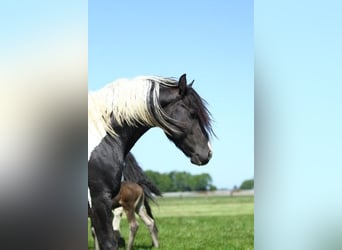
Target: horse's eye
(193,115)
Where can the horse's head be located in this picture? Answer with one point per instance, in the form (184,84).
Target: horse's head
(190,118)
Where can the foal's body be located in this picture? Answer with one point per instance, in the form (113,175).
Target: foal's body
(132,199)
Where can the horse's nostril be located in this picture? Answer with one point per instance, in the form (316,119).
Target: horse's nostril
(210,154)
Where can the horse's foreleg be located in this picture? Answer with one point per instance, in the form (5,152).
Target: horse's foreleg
(102,218)
(104,177)
(133,227)
(150,223)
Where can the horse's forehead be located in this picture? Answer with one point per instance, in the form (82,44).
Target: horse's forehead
(182,106)
(190,105)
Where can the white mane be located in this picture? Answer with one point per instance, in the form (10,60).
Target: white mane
(128,101)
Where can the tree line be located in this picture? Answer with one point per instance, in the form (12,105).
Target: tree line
(247,184)
(176,181)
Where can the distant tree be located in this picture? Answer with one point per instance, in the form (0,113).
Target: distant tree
(212,187)
(247,184)
(180,181)
(162,181)
(175,181)
(201,182)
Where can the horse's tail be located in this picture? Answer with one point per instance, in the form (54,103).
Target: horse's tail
(148,208)
(150,190)
(134,173)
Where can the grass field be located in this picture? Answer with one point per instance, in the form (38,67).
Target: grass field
(220,222)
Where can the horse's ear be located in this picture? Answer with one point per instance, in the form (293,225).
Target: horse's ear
(182,84)
(190,85)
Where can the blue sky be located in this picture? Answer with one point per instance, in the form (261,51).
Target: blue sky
(212,43)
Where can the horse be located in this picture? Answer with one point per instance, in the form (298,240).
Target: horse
(119,114)
(133,198)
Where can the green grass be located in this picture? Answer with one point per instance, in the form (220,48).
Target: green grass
(198,223)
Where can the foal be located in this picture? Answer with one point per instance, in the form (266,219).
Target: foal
(132,199)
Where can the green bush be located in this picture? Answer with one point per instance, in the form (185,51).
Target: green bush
(247,184)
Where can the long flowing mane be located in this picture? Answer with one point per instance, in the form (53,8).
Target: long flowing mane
(128,101)
(203,113)
(136,101)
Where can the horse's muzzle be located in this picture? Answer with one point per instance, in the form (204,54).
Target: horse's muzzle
(196,159)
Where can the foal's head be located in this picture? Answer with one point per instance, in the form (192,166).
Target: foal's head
(190,117)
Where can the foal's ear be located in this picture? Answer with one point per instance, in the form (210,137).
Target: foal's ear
(182,84)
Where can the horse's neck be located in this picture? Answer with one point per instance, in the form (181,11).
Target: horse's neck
(129,136)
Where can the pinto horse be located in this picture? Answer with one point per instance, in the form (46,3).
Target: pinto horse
(118,115)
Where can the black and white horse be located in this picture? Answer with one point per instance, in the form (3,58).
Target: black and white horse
(118,115)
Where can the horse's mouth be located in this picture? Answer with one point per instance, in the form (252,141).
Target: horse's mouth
(195,159)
